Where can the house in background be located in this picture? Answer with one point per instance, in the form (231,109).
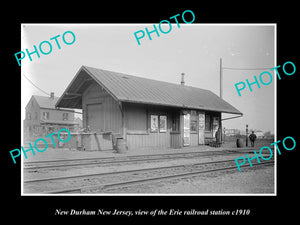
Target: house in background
(79,122)
(43,118)
(232,132)
(259,134)
(145,112)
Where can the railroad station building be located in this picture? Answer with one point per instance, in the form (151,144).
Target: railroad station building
(145,113)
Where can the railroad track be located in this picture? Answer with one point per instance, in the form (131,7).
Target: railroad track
(53,164)
(100,182)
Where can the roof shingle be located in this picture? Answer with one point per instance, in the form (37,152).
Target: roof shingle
(46,102)
(128,88)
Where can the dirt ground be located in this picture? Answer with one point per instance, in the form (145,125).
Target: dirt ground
(259,180)
(230,142)
(65,153)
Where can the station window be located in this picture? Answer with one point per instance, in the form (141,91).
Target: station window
(65,116)
(175,122)
(45,115)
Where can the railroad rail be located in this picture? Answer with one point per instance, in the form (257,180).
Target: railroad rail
(103,181)
(52,164)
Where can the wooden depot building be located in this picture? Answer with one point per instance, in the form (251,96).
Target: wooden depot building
(144,112)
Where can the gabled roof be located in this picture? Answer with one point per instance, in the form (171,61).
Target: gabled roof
(128,88)
(46,102)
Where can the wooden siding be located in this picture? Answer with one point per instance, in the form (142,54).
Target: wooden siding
(56,115)
(94,142)
(176,140)
(148,140)
(101,111)
(135,117)
(138,131)
(143,138)
(194,139)
(89,142)
(31,127)
(38,127)
(32,108)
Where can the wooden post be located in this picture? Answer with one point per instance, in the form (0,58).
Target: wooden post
(224,135)
(221,79)
(181,130)
(220,124)
(123,121)
(221,95)
(246,135)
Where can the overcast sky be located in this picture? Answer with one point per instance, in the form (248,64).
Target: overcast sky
(194,49)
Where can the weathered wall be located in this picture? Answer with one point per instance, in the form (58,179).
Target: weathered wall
(137,121)
(101,111)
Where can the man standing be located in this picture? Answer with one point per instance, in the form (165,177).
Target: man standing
(218,137)
(252,138)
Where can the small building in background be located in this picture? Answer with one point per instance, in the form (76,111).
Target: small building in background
(259,134)
(232,132)
(43,118)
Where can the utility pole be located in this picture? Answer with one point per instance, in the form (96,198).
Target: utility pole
(221,79)
(246,135)
(221,95)
(224,135)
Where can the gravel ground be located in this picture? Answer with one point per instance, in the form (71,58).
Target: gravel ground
(64,153)
(252,180)
(88,169)
(259,180)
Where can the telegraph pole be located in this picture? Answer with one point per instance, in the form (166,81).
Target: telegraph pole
(221,79)
(246,135)
(221,95)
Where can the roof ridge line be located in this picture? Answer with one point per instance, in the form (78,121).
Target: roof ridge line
(139,77)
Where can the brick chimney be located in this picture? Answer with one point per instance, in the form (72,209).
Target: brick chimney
(182,79)
(52,95)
